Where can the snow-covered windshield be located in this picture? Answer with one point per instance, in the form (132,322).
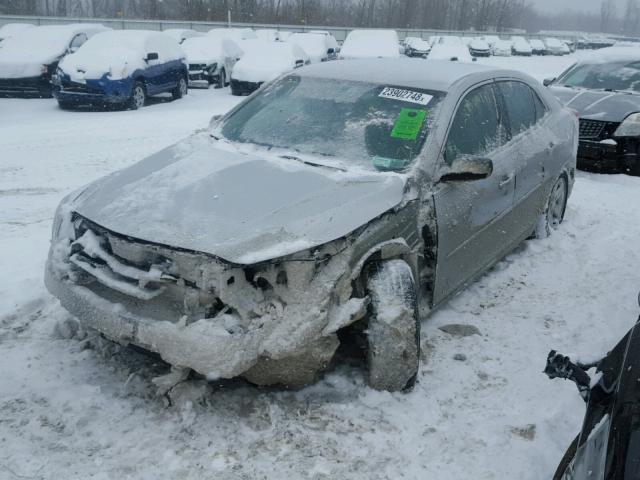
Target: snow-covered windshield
(379,127)
(624,75)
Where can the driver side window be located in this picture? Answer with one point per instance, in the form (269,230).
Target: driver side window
(476,128)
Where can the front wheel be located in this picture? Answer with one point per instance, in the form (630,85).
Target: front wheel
(553,214)
(393,331)
(182,88)
(138,96)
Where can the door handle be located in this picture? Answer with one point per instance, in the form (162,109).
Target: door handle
(506,180)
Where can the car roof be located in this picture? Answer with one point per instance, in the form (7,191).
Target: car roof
(436,75)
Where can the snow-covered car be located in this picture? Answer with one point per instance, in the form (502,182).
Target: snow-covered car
(10,29)
(181,34)
(29,58)
(502,48)
(268,35)
(332,43)
(604,89)
(479,48)
(211,60)
(566,49)
(315,45)
(236,34)
(416,47)
(553,46)
(263,62)
(520,46)
(538,47)
(450,48)
(607,445)
(490,39)
(340,202)
(371,44)
(121,68)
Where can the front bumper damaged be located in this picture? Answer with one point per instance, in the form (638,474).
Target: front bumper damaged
(272,324)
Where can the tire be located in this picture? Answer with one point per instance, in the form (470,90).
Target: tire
(138,96)
(568,457)
(182,88)
(222,79)
(553,214)
(65,105)
(393,330)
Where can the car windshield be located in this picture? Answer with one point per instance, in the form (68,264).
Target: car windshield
(604,76)
(380,127)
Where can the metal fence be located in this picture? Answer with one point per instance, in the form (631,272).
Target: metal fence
(339,32)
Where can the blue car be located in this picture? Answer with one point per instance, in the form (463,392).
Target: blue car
(122,68)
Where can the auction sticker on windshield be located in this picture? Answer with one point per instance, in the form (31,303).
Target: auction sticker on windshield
(405,95)
(408,124)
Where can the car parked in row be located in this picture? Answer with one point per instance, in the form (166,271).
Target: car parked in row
(121,68)
(479,48)
(10,29)
(450,48)
(502,48)
(316,45)
(538,47)
(332,43)
(181,34)
(237,34)
(607,445)
(553,46)
(326,208)
(416,47)
(264,61)
(604,89)
(520,46)
(30,57)
(371,44)
(211,60)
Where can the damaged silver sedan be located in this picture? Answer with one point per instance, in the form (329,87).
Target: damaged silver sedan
(342,202)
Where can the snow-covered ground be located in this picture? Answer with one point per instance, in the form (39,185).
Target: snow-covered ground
(80,409)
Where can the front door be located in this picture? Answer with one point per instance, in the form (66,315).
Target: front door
(475,225)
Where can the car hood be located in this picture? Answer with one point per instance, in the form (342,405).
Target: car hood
(598,105)
(206,196)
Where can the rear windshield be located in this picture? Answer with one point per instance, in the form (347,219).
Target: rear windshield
(379,127)
(604,76)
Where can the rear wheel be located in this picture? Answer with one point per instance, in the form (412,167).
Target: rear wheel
(138,96)
(182,88)
(393,330)
(553,215)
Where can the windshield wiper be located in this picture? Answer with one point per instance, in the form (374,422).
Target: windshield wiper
(613,90)
(312,164)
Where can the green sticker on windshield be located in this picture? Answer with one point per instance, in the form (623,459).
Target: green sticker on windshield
(408,124)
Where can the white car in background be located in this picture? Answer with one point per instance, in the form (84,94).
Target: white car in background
(29,58)
(331,40)
(264,61)
(479,48)
(450,48)
(236,34)
(554,46)
(211,60)
(520,46)
(491,39)
(538,47)
(371,44)
(566,49)
(314,44)
(268,35)
(416,47)
(502,48)
(10,29)
(181,34)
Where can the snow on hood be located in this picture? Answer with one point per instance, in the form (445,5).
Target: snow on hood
(244,208)
(418,44)
(119,53)
(210,49)
(441,51)
(314,44)
(10,29)
(371,44)
(598,105)
(263,61)
(24,54)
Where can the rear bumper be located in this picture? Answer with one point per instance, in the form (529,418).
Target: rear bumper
(30,87)
(244,88)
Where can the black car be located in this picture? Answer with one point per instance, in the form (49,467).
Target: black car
(608,446)
(605,92)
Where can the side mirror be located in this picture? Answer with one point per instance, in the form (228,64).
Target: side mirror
(152,56)
(468,168)
(548,81)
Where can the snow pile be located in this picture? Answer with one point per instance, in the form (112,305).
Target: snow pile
(119,53)
(314,44)
(417,44)
(10,29)
(371,44)
(236,34)
(611,55)
(263,62)
(25,53)
(181,34)
(210,49)
(268,35)
(443,51)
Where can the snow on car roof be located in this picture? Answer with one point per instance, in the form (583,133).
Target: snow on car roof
(314,44)
(371,44)
(209,48)
(429,74)
(9,29)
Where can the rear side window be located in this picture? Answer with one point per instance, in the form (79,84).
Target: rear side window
(476,128)
(541,109)
(519,105)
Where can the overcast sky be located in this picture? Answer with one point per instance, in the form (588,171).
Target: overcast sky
(561,5)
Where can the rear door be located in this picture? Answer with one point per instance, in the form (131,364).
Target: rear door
(475,225)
